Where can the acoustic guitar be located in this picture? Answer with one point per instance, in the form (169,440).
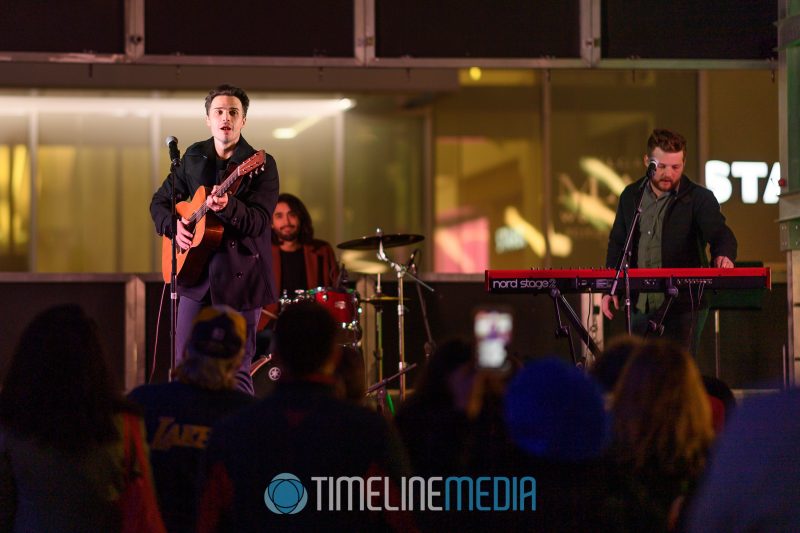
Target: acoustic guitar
(207,230)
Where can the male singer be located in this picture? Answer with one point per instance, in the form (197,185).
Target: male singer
(239,272)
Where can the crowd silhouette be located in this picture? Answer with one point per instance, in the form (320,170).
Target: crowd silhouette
(641,442)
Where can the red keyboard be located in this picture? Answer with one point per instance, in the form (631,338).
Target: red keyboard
(641,279)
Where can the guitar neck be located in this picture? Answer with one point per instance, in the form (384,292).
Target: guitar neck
(223,189)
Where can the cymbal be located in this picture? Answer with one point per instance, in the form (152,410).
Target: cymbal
(378,300)
(372,242)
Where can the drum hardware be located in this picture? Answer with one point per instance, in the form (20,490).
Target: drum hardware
(379,299)
(402,271)
(380,240)
(265,374)
(380,388)
(343,304)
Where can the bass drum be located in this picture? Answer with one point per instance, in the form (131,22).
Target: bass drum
(265,374)
(344,305)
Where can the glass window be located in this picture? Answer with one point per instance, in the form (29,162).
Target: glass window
(15,189)
(488,182)
(91,184)
(742,166)
(600,124)
(383,178)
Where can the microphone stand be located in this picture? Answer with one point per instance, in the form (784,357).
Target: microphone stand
(625,259)
(173,276)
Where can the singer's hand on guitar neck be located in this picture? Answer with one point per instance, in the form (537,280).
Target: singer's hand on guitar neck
(184,236)
(216,203)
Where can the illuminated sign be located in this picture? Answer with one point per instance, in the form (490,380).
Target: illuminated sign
(719,174)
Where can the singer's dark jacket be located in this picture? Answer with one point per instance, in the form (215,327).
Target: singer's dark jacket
(240,271)
(692,221)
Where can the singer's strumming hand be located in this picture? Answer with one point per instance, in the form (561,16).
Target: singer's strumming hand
(184,236)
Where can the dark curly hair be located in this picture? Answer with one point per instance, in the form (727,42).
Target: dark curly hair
(58,389)
(306,229)
(228,90)
(668,140)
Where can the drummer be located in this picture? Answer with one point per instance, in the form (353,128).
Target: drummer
(300,262)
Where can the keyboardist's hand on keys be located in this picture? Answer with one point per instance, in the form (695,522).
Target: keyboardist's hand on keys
(605,305)
(723,262)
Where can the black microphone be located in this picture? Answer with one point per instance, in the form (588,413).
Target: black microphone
(174,153)
(651,168)
(651,171)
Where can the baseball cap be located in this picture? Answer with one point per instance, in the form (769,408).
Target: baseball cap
(217,331)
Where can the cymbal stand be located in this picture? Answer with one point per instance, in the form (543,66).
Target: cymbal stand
(379,328)
(402,271)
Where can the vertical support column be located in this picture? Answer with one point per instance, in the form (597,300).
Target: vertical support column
(428,205)
(703,142)
(789,206)
(547,167)
(33,150)
(135,352)
(155,180)
(338,175)
(134,29)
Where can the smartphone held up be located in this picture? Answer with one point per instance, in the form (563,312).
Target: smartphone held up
(493,329)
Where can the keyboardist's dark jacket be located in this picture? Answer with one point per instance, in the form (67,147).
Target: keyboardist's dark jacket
(693,220)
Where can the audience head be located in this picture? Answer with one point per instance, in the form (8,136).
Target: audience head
(555,412)
(58,389)
(215,348)
(608,367)
(305,337)
(661,411)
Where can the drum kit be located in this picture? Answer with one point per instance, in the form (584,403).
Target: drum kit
(345,306)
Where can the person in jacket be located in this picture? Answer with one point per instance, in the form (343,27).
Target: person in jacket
(679,220)
(239,272)
(63,464)
(298,433)
(300,261)
(179,414)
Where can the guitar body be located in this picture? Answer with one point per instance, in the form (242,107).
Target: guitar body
(207,237)
(208,228)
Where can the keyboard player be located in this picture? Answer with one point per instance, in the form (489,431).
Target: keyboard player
(680,220)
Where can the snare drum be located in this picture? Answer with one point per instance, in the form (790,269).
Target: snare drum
(343,304)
